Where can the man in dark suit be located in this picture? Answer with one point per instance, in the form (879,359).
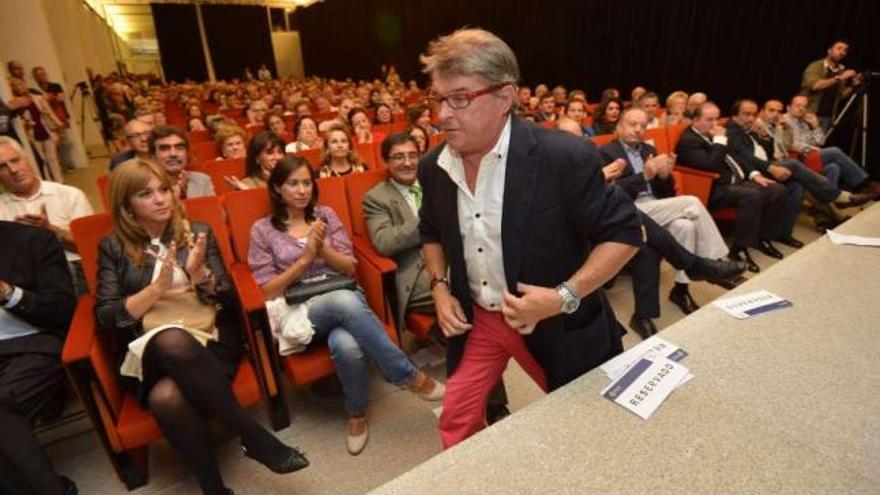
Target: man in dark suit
(391,209)
(521,221)
(757,199)
(646,177)
(36,305)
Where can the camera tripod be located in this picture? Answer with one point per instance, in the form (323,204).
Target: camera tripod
(82,89)
(860,94)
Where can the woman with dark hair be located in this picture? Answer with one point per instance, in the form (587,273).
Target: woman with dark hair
(339,157)
(274,122)
(263,153)
(383,114)
(420,115)
(607,115)
(300,240)
(375,98)
(421,137)
(363,130)
(307,137)
(164,293)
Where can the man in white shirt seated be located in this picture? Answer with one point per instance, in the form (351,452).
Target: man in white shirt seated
(43,204)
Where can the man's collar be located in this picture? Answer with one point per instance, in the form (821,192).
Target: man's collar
(502,145)
(627,146)
(41,190)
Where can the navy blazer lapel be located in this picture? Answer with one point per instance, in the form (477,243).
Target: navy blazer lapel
(519,192)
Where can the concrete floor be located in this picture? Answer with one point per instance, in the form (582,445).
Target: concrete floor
(402,427)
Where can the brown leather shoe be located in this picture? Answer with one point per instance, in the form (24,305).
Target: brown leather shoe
(426,387)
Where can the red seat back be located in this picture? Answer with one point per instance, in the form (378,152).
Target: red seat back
(332,193)
(104,190)
(196,136)
(218,169)
(201,151)
(603,139)
(357,186)
(313,156)
(673,132)
(660,139)
(243,209)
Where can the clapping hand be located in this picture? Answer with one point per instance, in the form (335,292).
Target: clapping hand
(614,169)
(195,260)
(315,240)
(165,280)
(234,182)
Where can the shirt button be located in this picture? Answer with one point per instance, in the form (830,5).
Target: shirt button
(479,250)
(485,283)
(492,305)
(477,215)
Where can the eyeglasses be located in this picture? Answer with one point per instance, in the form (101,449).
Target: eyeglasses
(399,157)
(460,101)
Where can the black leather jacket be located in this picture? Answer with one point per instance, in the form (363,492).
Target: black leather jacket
(119,277)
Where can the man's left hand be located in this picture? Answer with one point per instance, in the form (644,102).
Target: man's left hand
(39,220)
(536,303)
(763,181)
(779,172)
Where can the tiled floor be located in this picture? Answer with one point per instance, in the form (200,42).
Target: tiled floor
(402,427)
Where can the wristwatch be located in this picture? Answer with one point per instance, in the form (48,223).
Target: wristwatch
(438,280)
(570,299)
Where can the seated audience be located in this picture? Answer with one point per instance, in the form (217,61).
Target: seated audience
(302,239)
(421,136)
(163,290)
(694,101)
(363,130)
(420,115)
(607,115)
(339,157)
(676,103)
(137,132)
(576,110)
(758,200)
(43,204)
(647,178)
(383,115)
(546,109)
(837,166)
(341,118)
(636,94)
(307,137)
(274,122)
(194,118)
(170,149)
(263,153)
(256,112)
(36,306)
(524,99)
(609,94)
(230,141)
(650,103)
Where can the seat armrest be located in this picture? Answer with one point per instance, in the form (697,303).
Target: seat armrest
(81,333)
(249,292)
(698,173)
(364,249)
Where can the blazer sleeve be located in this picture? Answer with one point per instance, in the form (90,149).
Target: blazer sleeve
(387,238)
(110,309)
(743,150)
(600,213)
(428,220)
(693,153)
(48,303)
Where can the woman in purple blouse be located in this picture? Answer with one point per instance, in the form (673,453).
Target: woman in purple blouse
(302,239)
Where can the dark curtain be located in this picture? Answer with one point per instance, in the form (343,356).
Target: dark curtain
(238,37)
(177,30)
(728,49)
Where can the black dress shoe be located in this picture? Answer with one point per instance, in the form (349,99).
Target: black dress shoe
(742,254)
(496,412)
(292,460)
(855,199)
(684,301)
(642,326)
(713,270)
(730,283)
(769,249)
(791,242)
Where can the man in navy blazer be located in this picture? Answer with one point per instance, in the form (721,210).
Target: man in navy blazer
(757,199)
(519,233)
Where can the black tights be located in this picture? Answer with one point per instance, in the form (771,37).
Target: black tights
(190,387)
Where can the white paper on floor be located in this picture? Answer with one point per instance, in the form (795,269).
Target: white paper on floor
(429,356)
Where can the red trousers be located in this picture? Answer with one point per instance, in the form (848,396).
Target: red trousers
(491,343)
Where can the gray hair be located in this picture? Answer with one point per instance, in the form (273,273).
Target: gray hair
(15,145)
(471,52)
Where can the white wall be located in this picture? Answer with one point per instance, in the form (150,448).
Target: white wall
(288,54)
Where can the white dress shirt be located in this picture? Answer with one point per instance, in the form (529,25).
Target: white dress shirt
(479,218)
(63,204)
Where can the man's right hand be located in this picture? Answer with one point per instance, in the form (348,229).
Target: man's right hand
(847,74)
(812,120)
(719,131)
(450,315)
(613,169)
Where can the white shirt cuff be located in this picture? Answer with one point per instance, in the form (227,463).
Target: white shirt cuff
(720,140)
(17,294)
(753,174)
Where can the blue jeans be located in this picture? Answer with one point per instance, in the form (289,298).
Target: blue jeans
(354,335)
(820,187)
(840,169)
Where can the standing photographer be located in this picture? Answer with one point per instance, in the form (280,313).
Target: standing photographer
(826,82)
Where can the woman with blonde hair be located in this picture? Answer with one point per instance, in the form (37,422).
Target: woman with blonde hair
(230,141)
(164,293)
(676,104)
(339,157)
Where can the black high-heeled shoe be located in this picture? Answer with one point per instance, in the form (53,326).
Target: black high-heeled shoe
(294,460)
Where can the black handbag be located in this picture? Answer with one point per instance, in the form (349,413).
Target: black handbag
(304,290)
